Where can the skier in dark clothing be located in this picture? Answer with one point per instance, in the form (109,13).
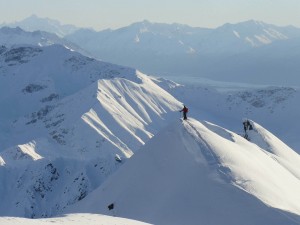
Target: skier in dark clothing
(184,111)
(247,126)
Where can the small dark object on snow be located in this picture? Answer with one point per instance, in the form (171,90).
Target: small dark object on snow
(118,158)
(111,206)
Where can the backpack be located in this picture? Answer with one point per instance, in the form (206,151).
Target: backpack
(250,127)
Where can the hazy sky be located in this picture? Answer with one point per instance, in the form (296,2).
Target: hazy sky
(101,14)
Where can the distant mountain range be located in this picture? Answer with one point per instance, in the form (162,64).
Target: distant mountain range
(16,36)
(35,23)
(251,51)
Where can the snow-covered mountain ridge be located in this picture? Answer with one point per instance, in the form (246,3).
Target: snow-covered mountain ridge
(251,51)
(226,104)
(197,172)
(67,123)
(169,39)
(16,36)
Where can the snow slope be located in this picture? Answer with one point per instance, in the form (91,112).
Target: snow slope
(199,173)
(86,219)
(227,103)
(279,150)
(67,123)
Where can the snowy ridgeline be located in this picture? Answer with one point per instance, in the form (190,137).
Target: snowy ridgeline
(199,173)
(69,123)
(195,172)
(250,51)
(225,104)
(16,36)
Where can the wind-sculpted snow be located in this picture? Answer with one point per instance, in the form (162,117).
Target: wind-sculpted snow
(67,124)
(226,104)
(199,173)
(34,79)
(275,185)
(277,149)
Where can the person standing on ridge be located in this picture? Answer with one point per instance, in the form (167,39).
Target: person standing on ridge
(247,126)
(184,111)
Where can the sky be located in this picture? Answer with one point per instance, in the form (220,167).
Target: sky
(102,14)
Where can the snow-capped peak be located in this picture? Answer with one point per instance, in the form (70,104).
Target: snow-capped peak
(17,36)
(34,23)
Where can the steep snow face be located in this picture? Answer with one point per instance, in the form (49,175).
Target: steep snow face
(67,124)
(193,171)
(35,79)
(279,150)
(255,169)
(227,103)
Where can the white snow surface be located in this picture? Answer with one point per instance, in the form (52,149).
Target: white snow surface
(72,219)
(69,122)
(225,104)
(66,121)
(199,173)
